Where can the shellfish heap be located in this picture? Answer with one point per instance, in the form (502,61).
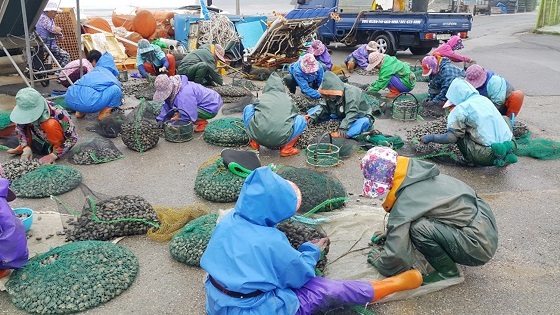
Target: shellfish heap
(438,126)
(216,183)
(16,168)
(299,233)
(230,93)
(303,102)
(188,245)
(312,133)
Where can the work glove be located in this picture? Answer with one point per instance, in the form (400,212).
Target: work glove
(48,159)
(374,256)
(342,133)
(163,70)
(379,238)
(427,139)
(27,154)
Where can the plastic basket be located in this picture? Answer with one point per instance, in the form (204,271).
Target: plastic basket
(179,130)
(323,154)
(405,109)
(27,222)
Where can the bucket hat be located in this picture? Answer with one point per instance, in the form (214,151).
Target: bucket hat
(308,63)
(144,46)
(429,65)
(220,52)
(378,167)
(30,105)
(163,86)
(372,46)
(374,59)
(317,48)
(476,76)
(51,6)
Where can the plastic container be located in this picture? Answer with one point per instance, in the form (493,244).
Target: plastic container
(323,154)
(29,220)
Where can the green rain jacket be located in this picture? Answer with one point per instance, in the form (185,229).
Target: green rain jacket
(272,124)
(392,66)
(350,103)
(419,190)
(202,54)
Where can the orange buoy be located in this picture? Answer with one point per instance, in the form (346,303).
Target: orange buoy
(99,23)
(144,23)
(124,20)
(130,49)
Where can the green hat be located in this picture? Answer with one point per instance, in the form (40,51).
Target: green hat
(30,105)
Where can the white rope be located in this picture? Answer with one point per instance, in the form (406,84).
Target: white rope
(218,30)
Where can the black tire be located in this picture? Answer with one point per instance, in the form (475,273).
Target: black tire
(45,83)
(420,50)
(385,44)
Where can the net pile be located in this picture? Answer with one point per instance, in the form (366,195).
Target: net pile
(188,245)
(226,132)
(5,118)
(171,220)
(16,168)
(299,233)
(94,151)
(140,133)
(442,152)
(319,191)
(230,93)
(46,181)
(542,149)
(373,139)
(312,133)
(72,278)
(216,183)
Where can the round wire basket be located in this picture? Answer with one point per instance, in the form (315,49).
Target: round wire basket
(405,109)
(323,154)
(178,131)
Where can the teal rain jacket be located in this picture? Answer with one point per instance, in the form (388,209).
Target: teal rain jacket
(247,252)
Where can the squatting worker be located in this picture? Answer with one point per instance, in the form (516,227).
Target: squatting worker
(394,74)
(440,216)
(441,73)
(307,74)
(448,50)
(359,57)
(42,125)
(273,119)
(48,31)
(321,53)
(150,59)
(254,270)
(200,65)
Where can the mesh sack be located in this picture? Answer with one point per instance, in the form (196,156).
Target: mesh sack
(542,149)
(319,191)
(188,245)
(46,181)
(140,132)
(171,220)
(299,233)
(94,151)
(216,183)
(226,132)
(5,120)
(109,127)
(16,168)
(72,278)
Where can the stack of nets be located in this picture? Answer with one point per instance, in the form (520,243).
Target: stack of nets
(188,245)
(230,93)
(46,181)
(5,118)
(441,152)
(299,233)
(94,151)
(226,132)
(16,168)
(542,149)
(72,278)
(303,102)
(319,191)
(171,220)
(216,183)
(312,133)
(140,132)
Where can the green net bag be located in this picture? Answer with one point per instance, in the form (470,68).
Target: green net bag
(542,149)
(188,245)
(173,219)
(46,181)
(226,132)
(319,191)
(16,168)
(299,233)
(94,151)
(140,132)
(72,278)
(216,183)
(5,120)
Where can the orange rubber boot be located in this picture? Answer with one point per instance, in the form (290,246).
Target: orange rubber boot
(4,273)
(254,145)
(393,92)
(80,115)
(407,280)
(200,124)
(288,149)
(514,103)
(18,150)
(104,113)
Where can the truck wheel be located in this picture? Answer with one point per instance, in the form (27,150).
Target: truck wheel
(420,50)
(385,44)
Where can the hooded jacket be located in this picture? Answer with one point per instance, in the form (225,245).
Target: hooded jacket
(307,82)
(392,66)
(247,252)
(441,80)
(349,105)
(273,122)
(475,115)
(446,50)
(97,89)
(203,54)
(496,88)
(13,242)
(419,190)
(190,98)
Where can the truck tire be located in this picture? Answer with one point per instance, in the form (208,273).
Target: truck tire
(386,44)
(420,50)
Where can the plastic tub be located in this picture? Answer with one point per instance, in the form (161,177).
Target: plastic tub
(29,220)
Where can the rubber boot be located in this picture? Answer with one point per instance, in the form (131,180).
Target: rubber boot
(445,268)
(200,124)
(18,150)
(4,273)
(254,145)
(104,113)
(288,149)
(393,92)
(407,280)
(351,65)
(80,115)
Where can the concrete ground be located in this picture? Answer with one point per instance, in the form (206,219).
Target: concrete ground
(521,279)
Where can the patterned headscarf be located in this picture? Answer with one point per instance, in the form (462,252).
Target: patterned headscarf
(308,63)
(378,167)
(317,48)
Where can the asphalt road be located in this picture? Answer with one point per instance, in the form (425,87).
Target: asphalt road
(521,279)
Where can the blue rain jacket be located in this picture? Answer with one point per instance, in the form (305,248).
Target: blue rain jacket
(475,115)
(97,89)
(307,82)
(247,252)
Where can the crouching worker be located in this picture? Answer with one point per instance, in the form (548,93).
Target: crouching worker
(99,90)
(359,57)
(264,274)
(482,134)
(342,101)
(150,59)
(394,74)
(273,120)
(41,125)
(440,216)
(307,74)
(200,65)
(190,99)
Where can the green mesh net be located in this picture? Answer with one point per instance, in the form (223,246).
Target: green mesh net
(5,118)
(140,132)
(188,245)
(94,151)
(46,181)
(16,168)
(319,191)
(542,149)
(370,140)
(72,278)
(171,220)
(226,132)
(216,183)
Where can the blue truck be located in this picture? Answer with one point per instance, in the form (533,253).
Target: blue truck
(354,23)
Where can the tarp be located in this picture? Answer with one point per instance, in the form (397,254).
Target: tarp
(11,17)
(250,32)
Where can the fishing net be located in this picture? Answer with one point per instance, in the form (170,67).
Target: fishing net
(140,132)
(5,120)
(319,191)
(72,278)
(216,183)
(226,132)
(230,93)
(94,151)
(109,127)
(171,220)
(188,245)
(542,149)
(16,168)
(375,138)
(46,181)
